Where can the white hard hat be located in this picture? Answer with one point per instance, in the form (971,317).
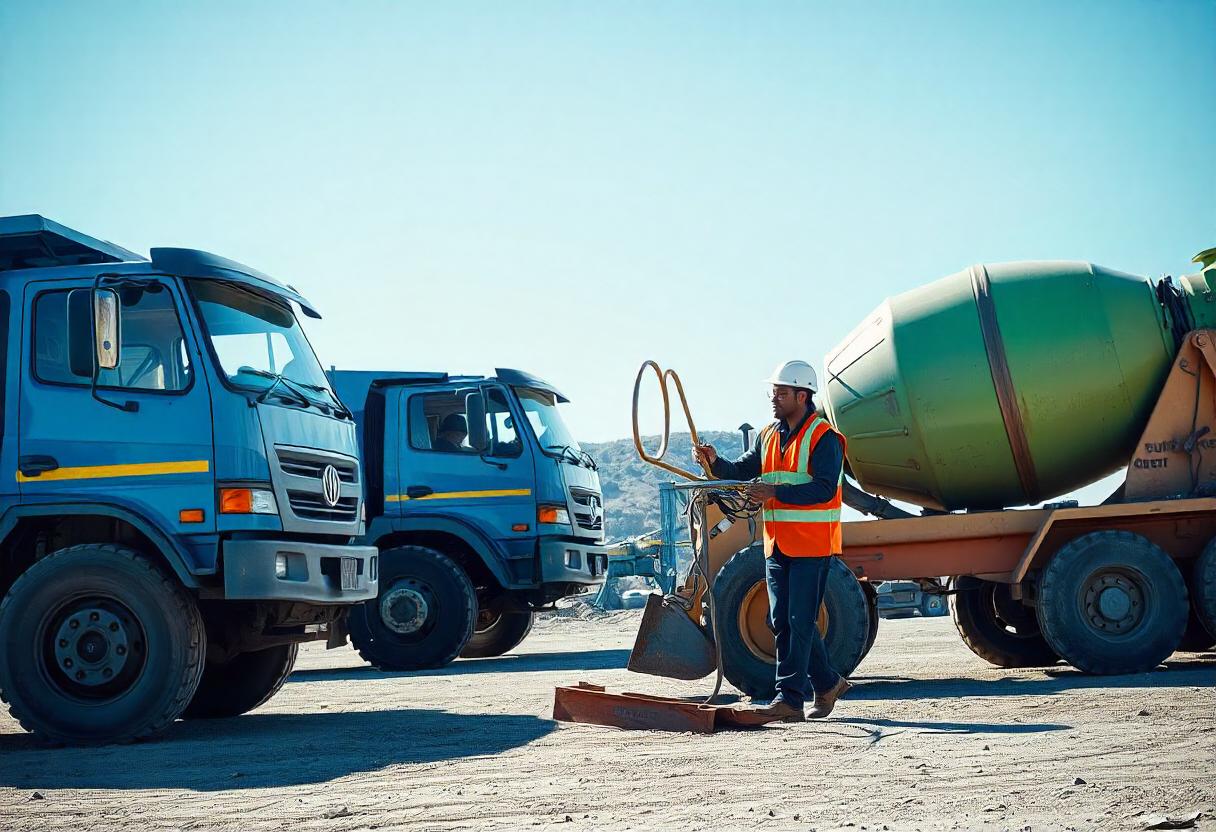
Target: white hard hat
(795,374)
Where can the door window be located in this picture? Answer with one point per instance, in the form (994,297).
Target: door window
(152,351)
(440,422)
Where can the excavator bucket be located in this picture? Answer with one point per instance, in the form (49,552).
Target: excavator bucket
(670,644)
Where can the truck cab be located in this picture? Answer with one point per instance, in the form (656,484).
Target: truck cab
(482,505)
(179,486)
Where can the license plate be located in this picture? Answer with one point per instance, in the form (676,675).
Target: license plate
(350,573)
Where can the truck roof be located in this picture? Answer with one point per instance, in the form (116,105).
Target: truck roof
(31,241)
(352,386)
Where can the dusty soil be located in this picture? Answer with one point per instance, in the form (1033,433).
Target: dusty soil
(932,738)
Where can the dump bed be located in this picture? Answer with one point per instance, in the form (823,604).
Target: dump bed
(31,241)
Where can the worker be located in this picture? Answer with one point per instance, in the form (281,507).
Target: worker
(451,434)
(799,460)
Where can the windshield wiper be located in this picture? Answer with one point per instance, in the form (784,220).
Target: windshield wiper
(279,378)
(339,408)
(579,457)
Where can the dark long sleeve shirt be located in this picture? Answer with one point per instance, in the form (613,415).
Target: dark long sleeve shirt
(827,458)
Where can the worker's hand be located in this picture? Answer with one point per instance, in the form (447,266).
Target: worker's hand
(704,454)
(760,491)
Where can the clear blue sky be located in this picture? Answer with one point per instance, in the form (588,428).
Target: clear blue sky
(570,188)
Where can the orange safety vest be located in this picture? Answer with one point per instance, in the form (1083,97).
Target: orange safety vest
(799,531)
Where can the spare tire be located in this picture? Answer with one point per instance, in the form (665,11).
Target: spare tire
(741,600)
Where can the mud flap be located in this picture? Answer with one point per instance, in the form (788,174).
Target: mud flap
(670,644)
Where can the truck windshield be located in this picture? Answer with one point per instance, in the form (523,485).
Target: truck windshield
(540,408)
(257,340)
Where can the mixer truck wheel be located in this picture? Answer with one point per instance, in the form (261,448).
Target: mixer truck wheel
(499,629)
(997,628)
(1203,588)
(244,682)
(1112,602)
(748,653)
(424,615)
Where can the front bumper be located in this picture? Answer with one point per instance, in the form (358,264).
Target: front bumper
(569,561)
(314,571)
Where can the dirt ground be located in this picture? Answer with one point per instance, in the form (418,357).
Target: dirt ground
(932,738)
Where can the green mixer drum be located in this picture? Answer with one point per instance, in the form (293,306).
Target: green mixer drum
(1000,385)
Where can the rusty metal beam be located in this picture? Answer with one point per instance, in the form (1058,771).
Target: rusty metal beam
(594,705)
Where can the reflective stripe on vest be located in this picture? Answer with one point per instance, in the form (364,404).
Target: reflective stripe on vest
(799,531)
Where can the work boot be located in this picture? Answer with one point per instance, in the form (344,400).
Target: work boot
(825,702)
(781,711)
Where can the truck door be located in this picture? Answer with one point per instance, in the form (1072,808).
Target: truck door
(151,454)
(483,474)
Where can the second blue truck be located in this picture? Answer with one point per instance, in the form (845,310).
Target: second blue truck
(482,504)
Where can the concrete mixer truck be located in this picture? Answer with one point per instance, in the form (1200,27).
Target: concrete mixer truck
(970,398)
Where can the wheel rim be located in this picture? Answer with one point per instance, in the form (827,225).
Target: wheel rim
(1113,601)
(409,607)
(93,648)
(753,623)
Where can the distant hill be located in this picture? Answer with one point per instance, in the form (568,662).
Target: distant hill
(631,486)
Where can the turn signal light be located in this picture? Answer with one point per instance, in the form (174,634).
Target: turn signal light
(247,501)
(191,515)
(519,527)
(552,514)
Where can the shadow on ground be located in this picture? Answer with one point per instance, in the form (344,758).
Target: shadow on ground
(1178,673)
(521,663)
(267,750)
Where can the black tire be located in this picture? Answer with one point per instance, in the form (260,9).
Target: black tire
(1112,602)
(875,618)
(932,605)
(995,627)
(242,683)
(848,622)
(124,670)
(433,607)
(498,630)
(1196,638)
(1203,588)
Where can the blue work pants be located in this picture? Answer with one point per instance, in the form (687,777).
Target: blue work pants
(796,587)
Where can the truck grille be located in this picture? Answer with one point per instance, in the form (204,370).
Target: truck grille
(300,466)
(305,490)
(588,509)
(313,507)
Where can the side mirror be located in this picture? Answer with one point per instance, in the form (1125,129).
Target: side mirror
(475,414)
(93,330)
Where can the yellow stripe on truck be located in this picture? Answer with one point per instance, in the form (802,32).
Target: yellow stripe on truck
(138,469)
(461,495)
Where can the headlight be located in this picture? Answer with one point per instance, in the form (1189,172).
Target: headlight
(247,501)
(552,514)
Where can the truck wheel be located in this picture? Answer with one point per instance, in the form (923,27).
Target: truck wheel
(1112,602)
(748,652)
(1000,630)
(424,615)
(1203,587)
(99,645)
(498,630)
(872,603)
(242,683)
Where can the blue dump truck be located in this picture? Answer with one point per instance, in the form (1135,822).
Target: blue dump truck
(483,508)
(180,486)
